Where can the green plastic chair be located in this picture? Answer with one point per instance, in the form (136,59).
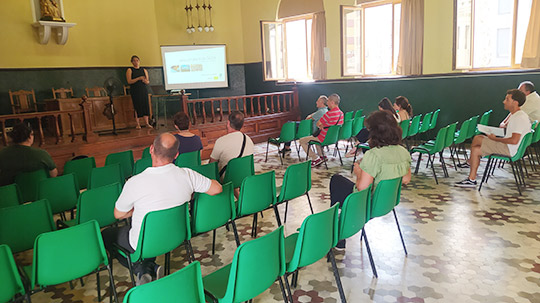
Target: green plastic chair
(96,204)
(431,150)
(62,193)
(484,120)
(141,165)
(296,182)
(64,255)
(81,168)
(106,175)
(305,128)
(515,163)
(316,238)
(257,193)
(472,126)
(28,183)
(146,152)
(161,232)
(404,128)
(434,119)
(20,225)
(384,200)
(449,142)
(348,116)
(353,217)
(185,285)
(330,138)
(424,127)
(125,159)
(209,170)
(287,134)
(345,133)
(12,287)
(358,113)
(415,126)
(10,195)
(459,140)
(256,265)
(188,160)
(211,212)
(238,169)
(534,142)
(358,124)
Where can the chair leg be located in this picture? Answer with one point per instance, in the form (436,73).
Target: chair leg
(98,282)
(288,286)
(309,201)
(254,226)
(515,177)
(236,237)
(373,268)
(307,151)
(130,268)
(400,234)
(324,160)
(434,174)
(297,150)
(213,241)
(267,145)
(486,173)
(167,263)
(286,208)
(111,283)
(189,250)
(276,212)
(336,276)
(283,293)
(280,157)
(339,155)
(354,159)
(418,163)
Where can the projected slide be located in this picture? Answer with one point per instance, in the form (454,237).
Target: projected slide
(194,66)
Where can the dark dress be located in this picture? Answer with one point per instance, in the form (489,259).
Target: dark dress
(139,93)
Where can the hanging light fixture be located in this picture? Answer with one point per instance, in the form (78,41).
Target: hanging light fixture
(206,13)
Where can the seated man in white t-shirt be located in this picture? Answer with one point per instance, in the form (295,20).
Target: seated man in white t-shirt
(162,186)
(517,126)
(229,146)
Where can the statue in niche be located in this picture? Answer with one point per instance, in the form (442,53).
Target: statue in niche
(50,11)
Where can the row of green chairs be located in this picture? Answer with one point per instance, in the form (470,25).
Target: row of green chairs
(290,131)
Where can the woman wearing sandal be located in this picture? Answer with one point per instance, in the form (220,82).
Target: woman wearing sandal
(137,78)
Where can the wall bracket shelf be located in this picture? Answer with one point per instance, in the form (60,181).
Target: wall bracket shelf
(46,27)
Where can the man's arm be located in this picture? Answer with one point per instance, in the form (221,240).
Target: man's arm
(511,140)
(53,172)
(212,160)
(122,215)
(215,188)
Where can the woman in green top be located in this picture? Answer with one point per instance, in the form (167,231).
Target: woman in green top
(387,159)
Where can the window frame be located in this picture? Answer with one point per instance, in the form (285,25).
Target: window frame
(512,66)
(362,7)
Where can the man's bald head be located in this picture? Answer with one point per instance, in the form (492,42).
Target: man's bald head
(166,147)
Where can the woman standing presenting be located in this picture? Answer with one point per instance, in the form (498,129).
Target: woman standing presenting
(137,78)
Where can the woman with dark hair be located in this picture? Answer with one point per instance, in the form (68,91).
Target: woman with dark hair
(386,159)
(137,78)
(386,105)
(403,108)
(188,141)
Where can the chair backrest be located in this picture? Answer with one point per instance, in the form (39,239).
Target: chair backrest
(525,142)
(211,212)
(353,214)
(358,124)
(424,127)
(348,116)
(127,90)
(9,276)
(209,170)
(434,119)
(81,168)
(20,225)
(23,101)
(450,134)
(257,193)
(536,135)
(10,195)
(106,175)
(440,140)
(463,132)
(332,135)
(255,267)
(415,125)
(146,152)
(288,132)
(296,181)
(472,126)
(305,128)
(484,120)
(188,160)
(345,131)
(125,159)
(358,113)
(184,285)
(386,196)
(404,128)
(62,192)
(62,93)
(96,91)
(67,254)
(141,165)
(162,231)
(238,169)
(98,204)
(28,183)
(317,235)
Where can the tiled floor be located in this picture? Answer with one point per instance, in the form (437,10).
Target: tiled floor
(464,246)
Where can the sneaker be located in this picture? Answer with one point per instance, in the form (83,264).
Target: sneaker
(158,272)
(463,165)
(466,183)
(317,162)
(143,279)
(351,153)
